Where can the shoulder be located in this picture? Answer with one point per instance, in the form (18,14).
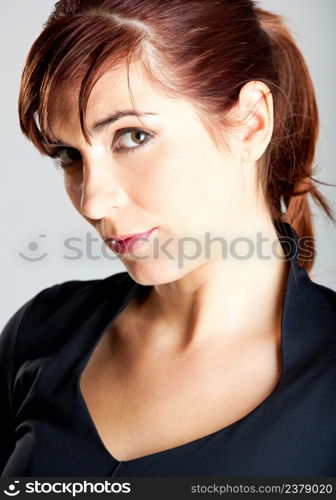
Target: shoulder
(320,316)
(327,302)
(311,299)
(36,326)
(328,313)
(329,295)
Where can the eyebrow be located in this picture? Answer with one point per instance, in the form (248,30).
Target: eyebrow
(100,125)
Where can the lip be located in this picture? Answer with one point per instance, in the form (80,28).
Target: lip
(129,243)
(124,237)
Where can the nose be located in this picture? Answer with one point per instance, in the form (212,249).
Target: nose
(101,191)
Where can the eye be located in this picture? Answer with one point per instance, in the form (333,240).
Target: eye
(132,135)
(66,156)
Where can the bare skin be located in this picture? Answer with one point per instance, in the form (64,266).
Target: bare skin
(202,350)
(147,398)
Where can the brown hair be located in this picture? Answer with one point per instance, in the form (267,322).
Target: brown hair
(202,50)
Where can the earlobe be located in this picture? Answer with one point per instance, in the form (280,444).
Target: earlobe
(256,120)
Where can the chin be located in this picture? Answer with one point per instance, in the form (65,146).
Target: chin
(154,272)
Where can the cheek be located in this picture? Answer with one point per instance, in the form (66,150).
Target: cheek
(73,188)
(189,189)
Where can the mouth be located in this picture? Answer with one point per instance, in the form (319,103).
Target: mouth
(129,243)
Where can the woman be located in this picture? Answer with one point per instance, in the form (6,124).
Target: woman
(213,354)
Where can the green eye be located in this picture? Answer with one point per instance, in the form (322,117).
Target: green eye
(65,156)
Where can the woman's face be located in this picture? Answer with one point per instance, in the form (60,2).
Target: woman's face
(163,173)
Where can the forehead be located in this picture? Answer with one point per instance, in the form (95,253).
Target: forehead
(109,94)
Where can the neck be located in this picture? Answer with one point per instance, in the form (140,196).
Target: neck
(226,298)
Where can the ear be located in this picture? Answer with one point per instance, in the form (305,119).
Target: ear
(255,112)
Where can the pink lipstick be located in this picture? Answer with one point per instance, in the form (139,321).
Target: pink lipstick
(129,243)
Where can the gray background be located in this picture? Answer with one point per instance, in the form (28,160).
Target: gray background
(37,216)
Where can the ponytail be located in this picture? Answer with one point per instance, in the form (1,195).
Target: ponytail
(289,159)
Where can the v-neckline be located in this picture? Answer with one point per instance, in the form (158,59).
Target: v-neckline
(295,272)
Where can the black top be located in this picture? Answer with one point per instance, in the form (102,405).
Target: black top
(46,428)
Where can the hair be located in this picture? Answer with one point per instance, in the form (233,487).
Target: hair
(201,50)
